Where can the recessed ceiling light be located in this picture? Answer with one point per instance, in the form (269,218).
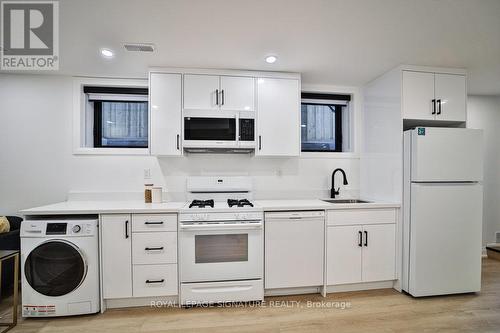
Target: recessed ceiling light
(107,53)
(271,59)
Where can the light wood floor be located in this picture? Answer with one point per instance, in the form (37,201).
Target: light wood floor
(370,311)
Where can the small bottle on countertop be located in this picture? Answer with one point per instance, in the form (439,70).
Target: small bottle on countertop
(148,193)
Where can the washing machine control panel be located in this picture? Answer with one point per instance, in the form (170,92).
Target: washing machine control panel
(58,228)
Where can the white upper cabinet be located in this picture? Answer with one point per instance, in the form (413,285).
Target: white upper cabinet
(213,92)
(165,91)
(451,95)
(237,93)
(418,94)
(201,92)
(278,118)
(434,96)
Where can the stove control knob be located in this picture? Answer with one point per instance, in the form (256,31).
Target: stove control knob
(76,229)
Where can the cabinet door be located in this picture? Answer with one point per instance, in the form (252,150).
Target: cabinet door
(278,118)
(343,255)
(451,91)
(418,93)
(237,93)
(379,252)
(200,92)
(166,114)
(116,251)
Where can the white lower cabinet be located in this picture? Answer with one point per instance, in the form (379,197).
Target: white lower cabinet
(154,248)
(343,255)
(139,255)
(379,253)
(116,252)
(155,280)
(154,255)
(362,251)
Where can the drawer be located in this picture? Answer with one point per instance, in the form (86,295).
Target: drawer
(154,248)
(214,292)
(154,222)
(361,216)
(155,280)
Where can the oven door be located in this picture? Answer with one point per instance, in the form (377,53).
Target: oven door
(221,252)
(210,132)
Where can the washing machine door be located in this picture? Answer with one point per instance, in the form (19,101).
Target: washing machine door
(55,268)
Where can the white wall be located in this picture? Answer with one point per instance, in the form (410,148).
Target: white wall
(484,112)
(37,166)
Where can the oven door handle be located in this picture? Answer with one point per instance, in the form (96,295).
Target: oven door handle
(232,226)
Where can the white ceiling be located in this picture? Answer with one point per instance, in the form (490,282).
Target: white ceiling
(334,42)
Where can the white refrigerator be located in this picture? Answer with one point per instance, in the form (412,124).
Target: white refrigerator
(442,211)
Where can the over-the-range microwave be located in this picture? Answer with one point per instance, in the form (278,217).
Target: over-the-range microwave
(219,131)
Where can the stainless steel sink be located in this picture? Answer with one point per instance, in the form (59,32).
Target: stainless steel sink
(346,201)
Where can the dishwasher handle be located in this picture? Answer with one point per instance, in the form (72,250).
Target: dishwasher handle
(302,215)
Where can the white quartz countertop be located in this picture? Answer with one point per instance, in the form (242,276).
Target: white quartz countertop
(110,207)
(309,204)
(104,207)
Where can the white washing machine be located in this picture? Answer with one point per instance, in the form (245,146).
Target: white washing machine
(59,267)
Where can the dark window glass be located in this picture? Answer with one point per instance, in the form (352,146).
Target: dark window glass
(120,124)
(54,268)
(214,129)
(321,127)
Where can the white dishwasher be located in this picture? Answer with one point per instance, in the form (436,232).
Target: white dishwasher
(294,249)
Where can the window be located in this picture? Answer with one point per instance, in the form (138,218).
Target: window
(325,122)
(116,117)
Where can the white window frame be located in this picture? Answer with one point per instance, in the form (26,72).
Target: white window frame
(355,113)
(79,114)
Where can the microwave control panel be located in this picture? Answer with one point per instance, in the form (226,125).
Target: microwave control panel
(247,129)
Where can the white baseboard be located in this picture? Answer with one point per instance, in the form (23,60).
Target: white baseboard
(292,291)
(333,289)
(163,301)
(360,286)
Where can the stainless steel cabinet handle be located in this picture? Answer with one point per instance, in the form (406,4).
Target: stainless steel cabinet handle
(155,281)
(433,106)
(178,139)
(126,229)
(366,238)
(360,239)
(439,106)
(260,142)
(216,96)
(222,102)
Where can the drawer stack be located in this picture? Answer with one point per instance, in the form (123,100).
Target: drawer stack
(154,255)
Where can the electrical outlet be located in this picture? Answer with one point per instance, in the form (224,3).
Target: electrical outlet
(147,173)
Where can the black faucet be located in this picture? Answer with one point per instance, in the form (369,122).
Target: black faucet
(334,192)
